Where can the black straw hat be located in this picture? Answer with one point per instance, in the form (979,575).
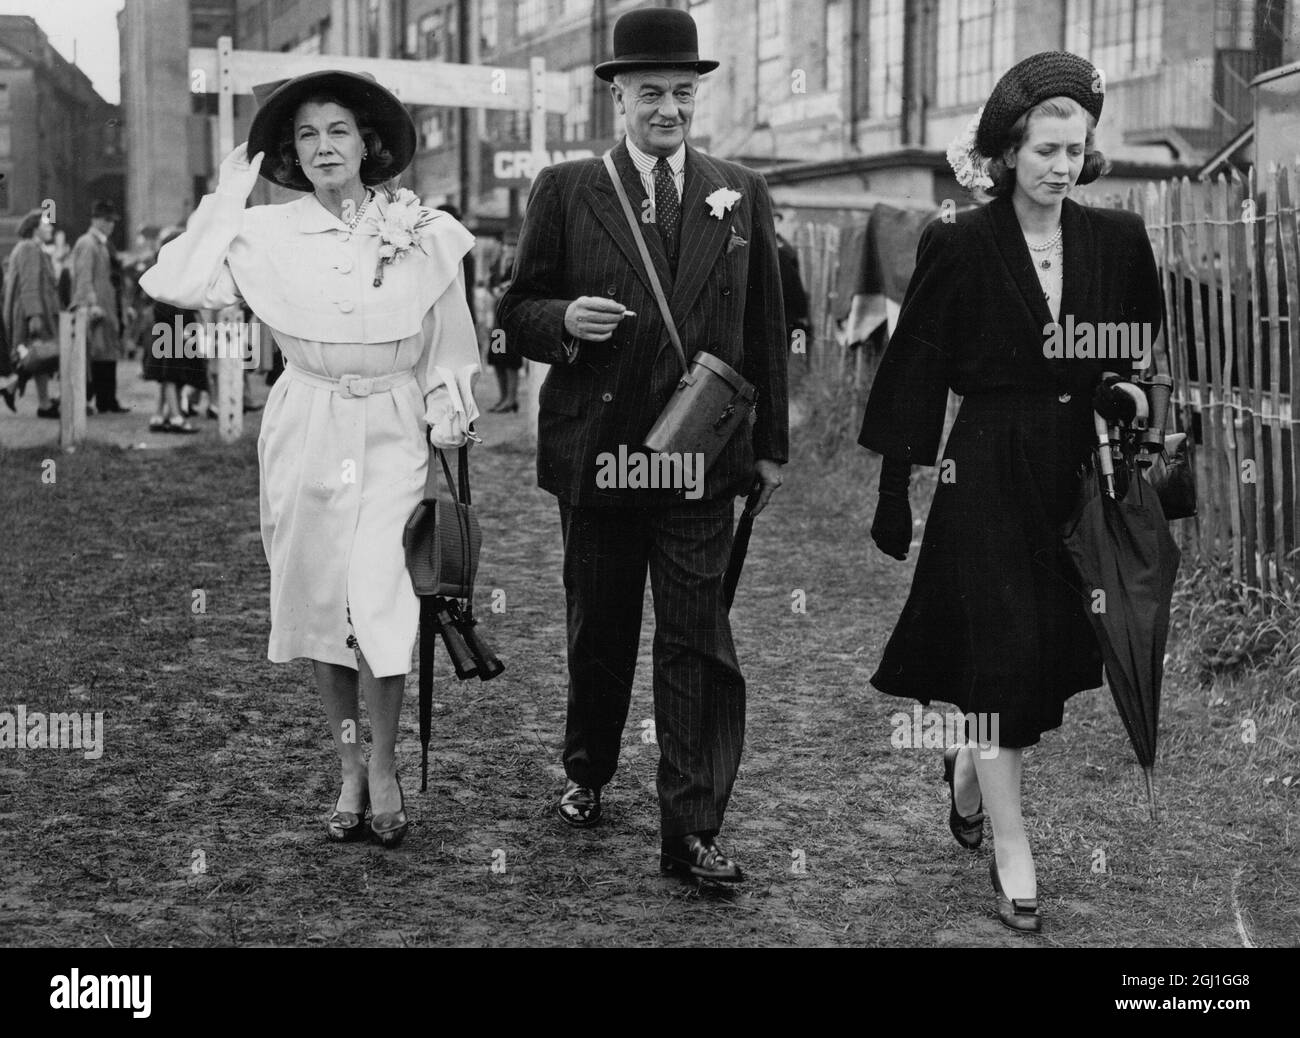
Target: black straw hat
(654,37)
(371,103)
(1052,73)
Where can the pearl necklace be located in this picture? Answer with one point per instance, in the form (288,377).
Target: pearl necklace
(1051,243)
(361,211)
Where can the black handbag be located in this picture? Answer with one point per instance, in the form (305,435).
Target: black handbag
(442,539)
(1174,478)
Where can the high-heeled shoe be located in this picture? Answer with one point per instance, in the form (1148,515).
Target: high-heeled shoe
(390,827)
(347,826)
(1018,913)
(967,830)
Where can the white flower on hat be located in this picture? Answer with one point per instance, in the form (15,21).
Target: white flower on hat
(968,164)
(722,200)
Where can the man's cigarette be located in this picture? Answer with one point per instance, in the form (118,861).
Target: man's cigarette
(629,313)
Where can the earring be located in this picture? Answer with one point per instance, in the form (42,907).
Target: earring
(364,153)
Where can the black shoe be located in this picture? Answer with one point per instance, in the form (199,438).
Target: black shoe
(1019,914)
(968,830)
(390,828)
(347,826)
(48,412)
(579,806)
(698,857)
(8,395)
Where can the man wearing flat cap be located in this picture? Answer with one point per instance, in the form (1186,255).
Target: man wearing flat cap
(582,301)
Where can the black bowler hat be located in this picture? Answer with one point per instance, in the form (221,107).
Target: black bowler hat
(103,208)
(654,37)
(1053,73)
(371,103)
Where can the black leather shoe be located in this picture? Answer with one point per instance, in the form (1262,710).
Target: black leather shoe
(347,826)
(698,857)
(579,806)
(390,829)
(968,830)
(1020,914)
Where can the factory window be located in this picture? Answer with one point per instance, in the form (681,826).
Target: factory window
(885,59)
(1121,37)
(975,48)
(1234,24)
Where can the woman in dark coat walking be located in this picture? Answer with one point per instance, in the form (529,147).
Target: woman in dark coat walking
(996,622)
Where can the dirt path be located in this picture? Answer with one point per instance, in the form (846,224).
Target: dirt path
(201,824)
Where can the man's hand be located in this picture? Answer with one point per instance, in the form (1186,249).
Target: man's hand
(767,474)
(594,318)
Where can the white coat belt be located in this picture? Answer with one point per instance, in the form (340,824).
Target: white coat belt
(352,385)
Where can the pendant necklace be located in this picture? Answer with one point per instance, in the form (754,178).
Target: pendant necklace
(1046,261)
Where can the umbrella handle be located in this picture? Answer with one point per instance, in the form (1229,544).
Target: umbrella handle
(1105,464)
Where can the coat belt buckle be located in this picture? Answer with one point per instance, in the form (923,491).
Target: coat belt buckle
(355,385)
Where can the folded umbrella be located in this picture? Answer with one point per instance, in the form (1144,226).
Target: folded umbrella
(1120,544)
(740,546)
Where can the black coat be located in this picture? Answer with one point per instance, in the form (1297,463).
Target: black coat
(995,621)
(725,298)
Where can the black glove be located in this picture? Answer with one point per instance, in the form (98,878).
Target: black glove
(892,527)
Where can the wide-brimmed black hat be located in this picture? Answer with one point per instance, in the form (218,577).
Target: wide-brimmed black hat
(654,37)
(371,103)
(1053,73)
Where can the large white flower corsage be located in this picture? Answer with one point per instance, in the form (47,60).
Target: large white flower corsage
(399,229)
(721,201)
(970,166)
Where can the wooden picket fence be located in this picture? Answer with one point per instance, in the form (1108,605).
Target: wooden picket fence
(1229,253)
(1228,250)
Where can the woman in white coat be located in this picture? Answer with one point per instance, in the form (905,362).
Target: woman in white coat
(364,293)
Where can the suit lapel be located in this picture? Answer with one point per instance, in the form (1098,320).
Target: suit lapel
(1079,245)
(609,211)
(701,235)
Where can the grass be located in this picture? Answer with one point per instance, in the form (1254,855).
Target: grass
(202,822)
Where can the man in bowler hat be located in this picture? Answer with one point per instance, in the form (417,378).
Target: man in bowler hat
(97,284)
(581,301)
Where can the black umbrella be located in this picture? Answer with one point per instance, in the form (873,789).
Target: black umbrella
(1120,545)
(740,546)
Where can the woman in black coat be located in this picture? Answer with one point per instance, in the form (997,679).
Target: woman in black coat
(996,622)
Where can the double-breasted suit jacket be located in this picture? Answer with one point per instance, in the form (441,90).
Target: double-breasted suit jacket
(725,298)
(996,621)
(92,285)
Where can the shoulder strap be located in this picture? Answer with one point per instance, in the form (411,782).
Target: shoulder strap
(669,323)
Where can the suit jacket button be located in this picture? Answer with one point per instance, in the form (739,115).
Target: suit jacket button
(611,290)
(1064,398)
(607,397)
(726,291)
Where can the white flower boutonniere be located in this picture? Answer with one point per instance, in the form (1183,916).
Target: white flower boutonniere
(970,166)
(399,229)
(721,201)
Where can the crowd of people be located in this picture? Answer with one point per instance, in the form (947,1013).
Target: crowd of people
(44,276)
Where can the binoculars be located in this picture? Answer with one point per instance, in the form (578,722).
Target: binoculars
(1130,420)
(470,653)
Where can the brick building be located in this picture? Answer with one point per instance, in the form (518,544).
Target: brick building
(59,139)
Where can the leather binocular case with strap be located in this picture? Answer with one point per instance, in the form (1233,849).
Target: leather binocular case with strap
(712,399)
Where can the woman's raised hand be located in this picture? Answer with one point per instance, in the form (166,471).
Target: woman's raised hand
(238,176)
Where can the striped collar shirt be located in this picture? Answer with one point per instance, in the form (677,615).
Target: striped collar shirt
(645,165)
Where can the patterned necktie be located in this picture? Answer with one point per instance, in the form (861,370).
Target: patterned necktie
(668,207)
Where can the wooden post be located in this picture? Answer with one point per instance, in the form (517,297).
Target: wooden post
(72,373)
(230,369)
(537,144)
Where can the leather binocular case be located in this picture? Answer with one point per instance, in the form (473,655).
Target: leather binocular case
(712,400)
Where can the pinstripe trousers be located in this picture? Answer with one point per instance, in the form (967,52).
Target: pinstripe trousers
(699,693)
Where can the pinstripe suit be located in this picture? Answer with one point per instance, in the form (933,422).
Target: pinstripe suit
(725,296)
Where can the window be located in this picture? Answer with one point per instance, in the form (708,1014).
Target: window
(1234,24)
(1121,37)
(885,61)
(834,46)
(975,47)
(488,25)
(577,120)
(530,16)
